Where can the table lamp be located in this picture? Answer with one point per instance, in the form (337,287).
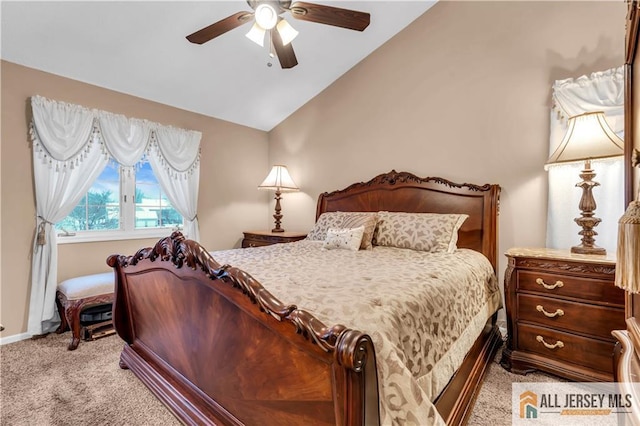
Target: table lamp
(588,137)
(278,180)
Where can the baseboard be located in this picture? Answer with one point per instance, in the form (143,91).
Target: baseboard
(14,338)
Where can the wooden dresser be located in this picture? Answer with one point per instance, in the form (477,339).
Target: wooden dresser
(266,238)
(561,309)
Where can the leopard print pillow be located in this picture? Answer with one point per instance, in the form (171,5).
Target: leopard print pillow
(429,232)
(343,220)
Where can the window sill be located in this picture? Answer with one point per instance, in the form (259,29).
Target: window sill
(93,237)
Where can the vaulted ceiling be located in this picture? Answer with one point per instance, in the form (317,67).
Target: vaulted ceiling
(139,48)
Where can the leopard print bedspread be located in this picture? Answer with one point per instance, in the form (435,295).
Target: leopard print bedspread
(422,310)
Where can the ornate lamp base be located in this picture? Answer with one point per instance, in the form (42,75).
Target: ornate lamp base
(588,250)
(278,216)
(587,220)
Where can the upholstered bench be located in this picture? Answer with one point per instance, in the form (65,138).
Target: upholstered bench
(76,294)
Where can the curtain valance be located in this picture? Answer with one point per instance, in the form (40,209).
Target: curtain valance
(71,147)
(599,91)
(63,134)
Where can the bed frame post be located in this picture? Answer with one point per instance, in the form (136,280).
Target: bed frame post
(355,352)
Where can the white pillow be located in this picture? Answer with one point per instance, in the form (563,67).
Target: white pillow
(346,239)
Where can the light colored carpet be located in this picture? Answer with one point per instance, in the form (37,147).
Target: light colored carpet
(42,383)
(493,406)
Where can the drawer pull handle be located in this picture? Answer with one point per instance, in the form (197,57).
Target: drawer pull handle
(557,313)
(558,344)
(558,284)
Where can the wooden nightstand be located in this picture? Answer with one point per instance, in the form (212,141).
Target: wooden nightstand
(266,238)
(561,309)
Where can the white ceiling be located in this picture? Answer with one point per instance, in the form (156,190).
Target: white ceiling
(139,48)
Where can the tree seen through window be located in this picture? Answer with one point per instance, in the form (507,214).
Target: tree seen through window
(101,209)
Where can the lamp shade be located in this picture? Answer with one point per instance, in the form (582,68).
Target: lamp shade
(279,180)
(588,137)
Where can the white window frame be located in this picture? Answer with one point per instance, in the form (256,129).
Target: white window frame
(127,229)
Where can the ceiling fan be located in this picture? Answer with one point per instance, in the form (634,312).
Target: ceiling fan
(269,22)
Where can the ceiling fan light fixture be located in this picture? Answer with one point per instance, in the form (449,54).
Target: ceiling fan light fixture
(256,34)
(266,16)
(286,31)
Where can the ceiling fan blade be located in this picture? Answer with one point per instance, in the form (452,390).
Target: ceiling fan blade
(220,27)
(286,55)
(345,18)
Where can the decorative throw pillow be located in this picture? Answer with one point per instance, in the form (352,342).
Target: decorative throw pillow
(325,221)
(345,238)
(430,232)
(345,220)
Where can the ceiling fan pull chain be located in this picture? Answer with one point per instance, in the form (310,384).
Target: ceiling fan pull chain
(272,48)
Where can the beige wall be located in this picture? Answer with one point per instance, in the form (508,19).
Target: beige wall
(462,93)
(234,162)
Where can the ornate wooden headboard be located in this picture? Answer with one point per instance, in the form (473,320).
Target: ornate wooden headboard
(405,192)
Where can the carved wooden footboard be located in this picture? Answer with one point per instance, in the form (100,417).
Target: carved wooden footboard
(199,335)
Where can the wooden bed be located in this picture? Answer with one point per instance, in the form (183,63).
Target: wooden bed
(218,348)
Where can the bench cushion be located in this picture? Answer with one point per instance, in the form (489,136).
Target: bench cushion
(87,286)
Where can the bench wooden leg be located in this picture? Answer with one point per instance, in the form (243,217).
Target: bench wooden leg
(73,319)
(63,317)
(70,314)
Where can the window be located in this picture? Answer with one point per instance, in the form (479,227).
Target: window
(598,91)
(121,204)
(152,208)
(99,209)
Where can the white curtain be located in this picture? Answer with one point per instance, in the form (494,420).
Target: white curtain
(600,91)
(67,158)
(71,147)
(180,181)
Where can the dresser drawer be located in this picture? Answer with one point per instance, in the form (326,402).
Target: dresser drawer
(593,320)
(266,238)
(255,243)
(589,289)
(591,353)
